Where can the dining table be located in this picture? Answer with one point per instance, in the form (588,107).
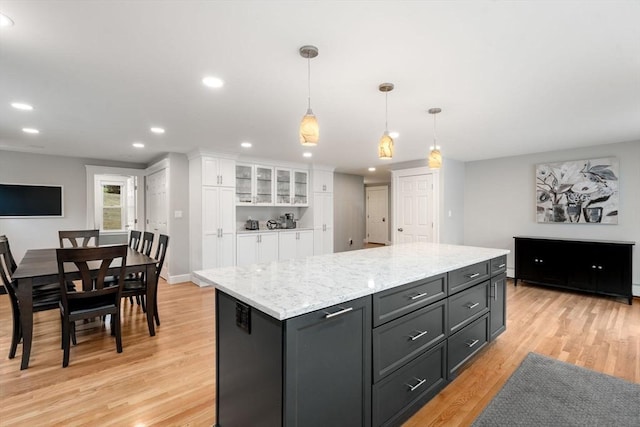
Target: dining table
(40,267)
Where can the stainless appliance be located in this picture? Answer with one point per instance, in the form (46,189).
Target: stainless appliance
(251,224)
(287,221)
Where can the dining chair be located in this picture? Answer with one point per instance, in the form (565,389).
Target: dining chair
(43,299)
(73,236)
(134,239)
(147,243)
(94,299)
(138,288)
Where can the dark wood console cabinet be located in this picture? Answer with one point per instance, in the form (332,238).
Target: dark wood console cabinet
(596,266)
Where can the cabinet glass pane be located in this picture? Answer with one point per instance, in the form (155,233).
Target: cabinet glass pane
(301,188)
(243,184)
(283,186)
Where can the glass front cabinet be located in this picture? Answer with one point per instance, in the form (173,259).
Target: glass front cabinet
(254,185)
(292,187)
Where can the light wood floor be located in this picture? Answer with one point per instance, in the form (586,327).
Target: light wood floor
(169,380)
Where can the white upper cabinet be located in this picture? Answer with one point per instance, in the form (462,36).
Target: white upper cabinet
(218,172)
(254,185)
(322,181)
(292,187)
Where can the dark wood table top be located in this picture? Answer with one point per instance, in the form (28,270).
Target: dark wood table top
(41,263)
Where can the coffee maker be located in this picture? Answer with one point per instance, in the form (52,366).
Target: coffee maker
(287,221)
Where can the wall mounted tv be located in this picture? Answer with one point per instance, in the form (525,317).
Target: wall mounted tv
(28,200)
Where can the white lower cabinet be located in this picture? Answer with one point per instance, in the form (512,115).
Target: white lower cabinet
(295,244)
(256,247)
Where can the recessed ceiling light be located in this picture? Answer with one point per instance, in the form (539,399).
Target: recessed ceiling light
(21,106)
(30,130)
(138,144)
(5,21)
(394,135)
(372,169)
(307,154)
(245,144)
(157,130)
(213,82)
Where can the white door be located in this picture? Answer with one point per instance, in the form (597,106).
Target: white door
(157,210)
(377,214)
(415,209)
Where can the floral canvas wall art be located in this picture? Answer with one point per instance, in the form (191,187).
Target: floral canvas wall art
(579,191)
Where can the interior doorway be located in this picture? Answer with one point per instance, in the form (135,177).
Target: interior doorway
(415,206)
(377,215)
(157,210)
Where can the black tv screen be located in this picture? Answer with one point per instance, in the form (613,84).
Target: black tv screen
(30,200)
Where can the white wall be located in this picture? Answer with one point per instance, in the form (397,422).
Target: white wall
(349,222)
(500,201)
(452,202)
(29,168)
(178,227)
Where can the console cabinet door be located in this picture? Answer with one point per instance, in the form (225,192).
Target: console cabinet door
(540,261)
(328,367)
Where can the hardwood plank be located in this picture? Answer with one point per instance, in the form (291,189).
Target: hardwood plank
(169,379)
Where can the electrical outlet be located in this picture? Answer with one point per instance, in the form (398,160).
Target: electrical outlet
(350,242)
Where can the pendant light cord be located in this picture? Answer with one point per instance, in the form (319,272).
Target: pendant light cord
(309,78)
(386,111)
(435,145)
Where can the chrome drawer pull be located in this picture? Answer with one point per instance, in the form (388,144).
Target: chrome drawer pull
(470,305)
(472,343)
(337,313)
(472,276)
(502,265)
(414,387)
(424,294)
(421,334)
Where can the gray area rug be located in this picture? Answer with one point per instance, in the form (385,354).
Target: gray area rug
(548,392)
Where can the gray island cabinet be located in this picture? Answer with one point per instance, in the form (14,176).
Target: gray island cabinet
(357,338)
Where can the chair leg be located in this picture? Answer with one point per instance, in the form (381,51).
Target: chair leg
(15,336)
(117,327)
(144,303)
(65,342)
(73,333)
(131,300)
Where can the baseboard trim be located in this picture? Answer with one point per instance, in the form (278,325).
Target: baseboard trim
(180,278)
(199,282)
(635,290)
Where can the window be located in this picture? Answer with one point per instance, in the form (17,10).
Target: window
(115,202)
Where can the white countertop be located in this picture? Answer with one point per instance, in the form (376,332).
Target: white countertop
(285,289)
(274,230)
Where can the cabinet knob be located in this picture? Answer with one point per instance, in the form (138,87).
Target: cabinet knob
(400,230)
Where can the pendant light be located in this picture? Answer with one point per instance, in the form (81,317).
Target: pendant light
(385,146)
(435,158)
(309,130)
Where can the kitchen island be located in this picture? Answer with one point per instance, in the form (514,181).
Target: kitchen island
(355,338)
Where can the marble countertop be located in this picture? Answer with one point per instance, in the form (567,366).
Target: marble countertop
(285,289)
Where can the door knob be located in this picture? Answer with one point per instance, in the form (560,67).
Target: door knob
(383,219)
(400,229)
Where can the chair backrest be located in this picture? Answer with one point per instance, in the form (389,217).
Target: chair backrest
(93,279)
(161,252)
(11,262)
(4,273)
(72,236)
(134,239)
(147,243)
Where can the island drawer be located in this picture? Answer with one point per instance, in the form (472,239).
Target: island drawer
(412,385)
(396,302)
(397,342)
(498,265)
(466,277)
(467,342)
(468,305)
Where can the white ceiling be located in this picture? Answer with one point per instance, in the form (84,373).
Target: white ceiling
(511,77)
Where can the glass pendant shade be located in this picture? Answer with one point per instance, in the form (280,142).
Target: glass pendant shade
(385,147)
(435,158)
(309,130)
